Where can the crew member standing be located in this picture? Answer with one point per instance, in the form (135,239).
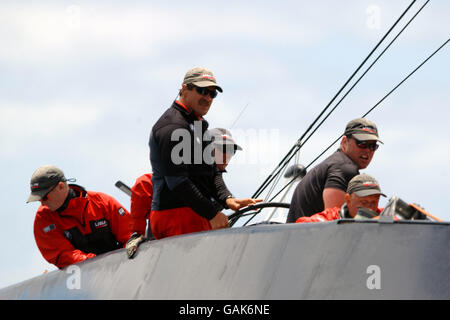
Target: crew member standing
(186,194)
(142,191)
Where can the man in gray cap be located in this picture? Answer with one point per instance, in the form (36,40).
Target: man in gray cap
(326,184)
(186,190)
(198,90)
(224,147)
(72,224)
(361,201)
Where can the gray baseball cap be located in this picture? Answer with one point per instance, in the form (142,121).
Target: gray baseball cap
(201,77)
(362,129)
(43,180)
(364,185)
(222,137)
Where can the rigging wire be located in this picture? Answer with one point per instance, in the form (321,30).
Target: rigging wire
(272,188)
(239,115)
(367,70)
(298,144)
(370,110)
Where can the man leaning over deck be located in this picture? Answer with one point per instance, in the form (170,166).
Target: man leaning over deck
(326,184)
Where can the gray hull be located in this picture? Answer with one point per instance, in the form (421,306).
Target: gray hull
(330,260)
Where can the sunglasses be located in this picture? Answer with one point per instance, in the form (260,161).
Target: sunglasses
(364,144)
(45,197)
(205,91)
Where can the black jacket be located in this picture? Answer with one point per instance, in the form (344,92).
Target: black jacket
(336,171)
(184,172)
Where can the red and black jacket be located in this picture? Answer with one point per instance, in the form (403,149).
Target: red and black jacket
(88,223)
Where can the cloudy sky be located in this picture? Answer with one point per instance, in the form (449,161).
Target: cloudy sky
(82,82)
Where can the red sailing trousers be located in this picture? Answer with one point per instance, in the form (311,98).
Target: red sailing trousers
(172,222)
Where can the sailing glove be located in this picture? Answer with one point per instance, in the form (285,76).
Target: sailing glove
(133,243)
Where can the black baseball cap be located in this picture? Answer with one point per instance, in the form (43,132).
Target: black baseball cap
(43,180)
(362,129)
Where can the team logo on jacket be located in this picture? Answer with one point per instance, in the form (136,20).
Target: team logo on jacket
(121,211)
(100,223)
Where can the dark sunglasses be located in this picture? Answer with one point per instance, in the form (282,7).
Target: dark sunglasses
(205,91)
(364,144)
(45,197)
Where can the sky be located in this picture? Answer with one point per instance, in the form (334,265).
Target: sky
(82,83)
